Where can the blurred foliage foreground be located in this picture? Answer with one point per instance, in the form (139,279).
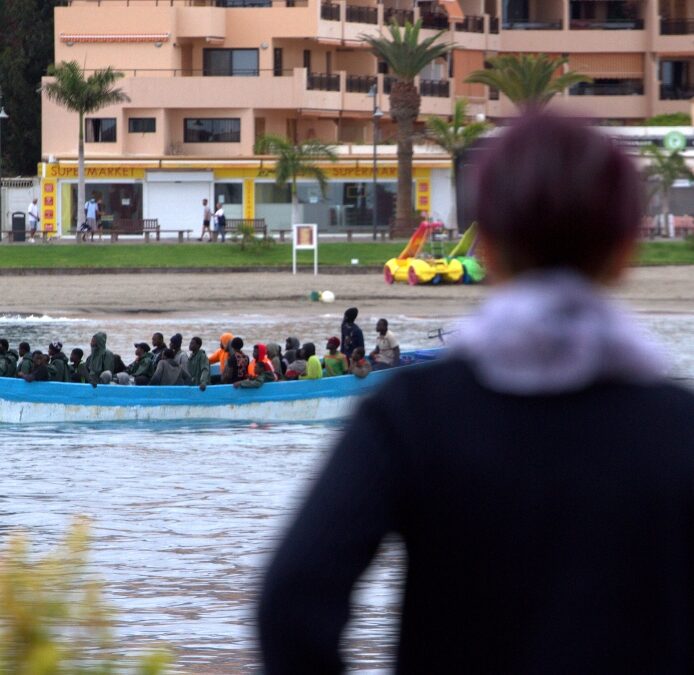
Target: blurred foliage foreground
(53,620)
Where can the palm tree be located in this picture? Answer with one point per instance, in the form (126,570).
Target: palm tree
(294,160)
(664,169)
(406,57)
(73,91)
(455,137)
(528,80)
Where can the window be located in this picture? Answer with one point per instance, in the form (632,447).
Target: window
(239,62)
(100,129)
(212,130)
(142,125)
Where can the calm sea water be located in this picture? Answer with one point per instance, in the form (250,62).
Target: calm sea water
(185,515)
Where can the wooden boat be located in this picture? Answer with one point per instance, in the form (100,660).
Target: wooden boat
(330,398)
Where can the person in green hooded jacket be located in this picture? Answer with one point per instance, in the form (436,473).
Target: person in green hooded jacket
(58,366)
(25,363)
(142,368)
(8,359)
(100,361)
(198,364)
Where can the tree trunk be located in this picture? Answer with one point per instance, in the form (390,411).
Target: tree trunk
(81,198)
(296,215)
(665,215)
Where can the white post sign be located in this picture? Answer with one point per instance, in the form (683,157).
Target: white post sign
(305,238)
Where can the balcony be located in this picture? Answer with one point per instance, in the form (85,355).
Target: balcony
(471,24)
(591,24)
(323,81)
(608,88)
(434,21)
(361,14)
(400,16)
(494,25)
(330,11)
(677,26)
(437,88)
(360,84)
(676,92)
(533,25)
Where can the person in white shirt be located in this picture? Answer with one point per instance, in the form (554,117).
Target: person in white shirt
(387,352)
(33,217)
(206,218)
(220,221)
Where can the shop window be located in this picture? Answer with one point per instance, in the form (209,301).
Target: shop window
(142,125)
(238,62)
(100,129)
(212,130)
(117,201)
(230,196)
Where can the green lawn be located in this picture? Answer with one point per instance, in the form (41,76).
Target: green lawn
(52,256)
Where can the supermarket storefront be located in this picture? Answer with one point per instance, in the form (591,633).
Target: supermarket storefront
(174,194)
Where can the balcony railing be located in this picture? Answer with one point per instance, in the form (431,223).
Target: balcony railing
(471,24)
(435,21)
(494,24)
(625,88)
(533,25)
(590,24)
(360,84)
(330,11)
(677,26)
(361,14)
(388,81)
(676,92)
(323,81)
(439,88)
(400,16)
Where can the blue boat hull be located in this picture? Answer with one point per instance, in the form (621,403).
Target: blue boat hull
(330,398)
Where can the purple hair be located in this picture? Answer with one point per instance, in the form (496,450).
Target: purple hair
(554,193)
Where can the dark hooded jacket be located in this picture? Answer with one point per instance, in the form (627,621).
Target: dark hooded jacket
(199,368)
(291,348)
(100,359)
(24,365)
(58,368)
(352,336)
(170,373)
(8,363)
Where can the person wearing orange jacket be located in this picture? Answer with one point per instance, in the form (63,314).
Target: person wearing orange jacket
(221,355)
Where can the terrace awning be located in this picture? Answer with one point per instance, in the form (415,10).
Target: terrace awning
(114,37)
(608,66)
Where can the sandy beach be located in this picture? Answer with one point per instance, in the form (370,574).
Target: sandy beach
(646,289)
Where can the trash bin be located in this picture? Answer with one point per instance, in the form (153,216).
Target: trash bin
(19,226)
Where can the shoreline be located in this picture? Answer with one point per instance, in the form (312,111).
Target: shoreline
(660,290)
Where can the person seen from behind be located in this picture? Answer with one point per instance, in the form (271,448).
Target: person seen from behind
(169,372)
(274,353)
(296,367)
(387,352)
(552,532)
(260,370)
(25,363)
(220,222)
(206,218)
(101,362)
(236,367)
(335,362)
(180,357)
(58,367)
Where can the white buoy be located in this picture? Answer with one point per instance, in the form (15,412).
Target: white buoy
(327,296)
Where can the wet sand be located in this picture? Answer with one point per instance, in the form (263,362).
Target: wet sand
(646,289)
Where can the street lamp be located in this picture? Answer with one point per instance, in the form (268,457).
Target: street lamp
(377,114)
(3,116)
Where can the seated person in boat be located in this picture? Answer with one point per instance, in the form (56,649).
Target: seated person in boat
(181,357)
(198,364)
(334,362)
(297,367)
(101,362)
(39,370)
(77,367)
(58,368)
(260,370)
(360,366)
(291,347)
(236,368)
(387,352)
(221,355)
(314,369)
(158,347)
(168,372)
(25,363)
(8,359)
(142,368)
(274,353)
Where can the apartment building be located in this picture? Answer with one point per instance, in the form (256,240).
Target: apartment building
(207,77)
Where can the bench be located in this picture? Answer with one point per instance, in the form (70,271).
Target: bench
(380,231)
(144,226)
(236,226)
(39,234)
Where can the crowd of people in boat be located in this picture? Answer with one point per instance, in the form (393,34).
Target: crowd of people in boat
(161,364)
